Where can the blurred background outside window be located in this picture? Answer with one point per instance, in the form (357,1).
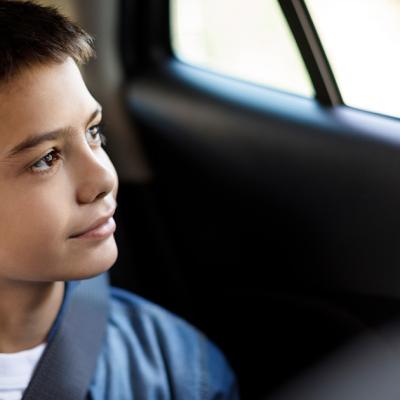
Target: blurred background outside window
(249,40)
(361,39)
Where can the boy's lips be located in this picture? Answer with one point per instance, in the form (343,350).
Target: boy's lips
(100,228)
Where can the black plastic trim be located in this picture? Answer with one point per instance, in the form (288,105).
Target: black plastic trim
(178,81)
(144,35)
(306,36)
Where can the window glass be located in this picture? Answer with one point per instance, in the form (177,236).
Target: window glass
(361,39)
(242,39)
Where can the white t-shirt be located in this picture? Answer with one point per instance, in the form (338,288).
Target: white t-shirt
(16,370)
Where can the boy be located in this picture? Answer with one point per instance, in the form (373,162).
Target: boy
(58,195)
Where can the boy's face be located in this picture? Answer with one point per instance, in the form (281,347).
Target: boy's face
(51,192)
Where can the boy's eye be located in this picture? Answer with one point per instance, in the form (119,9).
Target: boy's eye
(95,135)
(46,163)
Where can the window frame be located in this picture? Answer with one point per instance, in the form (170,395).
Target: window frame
(312,52)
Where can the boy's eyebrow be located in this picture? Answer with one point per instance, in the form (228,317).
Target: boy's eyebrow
(34,140)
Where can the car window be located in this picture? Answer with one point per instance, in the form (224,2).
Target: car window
(361,40)
(252,43)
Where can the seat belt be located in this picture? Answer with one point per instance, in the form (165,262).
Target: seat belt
(67,365)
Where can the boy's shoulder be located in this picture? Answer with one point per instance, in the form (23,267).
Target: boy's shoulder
(149,352)
(130,311)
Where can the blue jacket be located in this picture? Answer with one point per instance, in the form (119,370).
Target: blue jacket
(151,354)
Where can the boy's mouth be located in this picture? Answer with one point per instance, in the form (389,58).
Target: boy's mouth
(100,229)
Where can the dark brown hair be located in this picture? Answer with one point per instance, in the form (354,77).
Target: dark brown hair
(32,34)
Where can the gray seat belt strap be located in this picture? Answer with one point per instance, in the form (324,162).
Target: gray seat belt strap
(65,370)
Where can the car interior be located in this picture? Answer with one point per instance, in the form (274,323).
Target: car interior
(268,220)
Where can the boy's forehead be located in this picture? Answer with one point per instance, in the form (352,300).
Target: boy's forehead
(44,98)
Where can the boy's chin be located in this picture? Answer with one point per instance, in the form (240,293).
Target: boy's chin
(87,274)
(93,265)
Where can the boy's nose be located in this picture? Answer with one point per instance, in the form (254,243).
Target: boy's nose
(97,178)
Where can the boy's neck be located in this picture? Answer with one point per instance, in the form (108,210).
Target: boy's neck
(27,312)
